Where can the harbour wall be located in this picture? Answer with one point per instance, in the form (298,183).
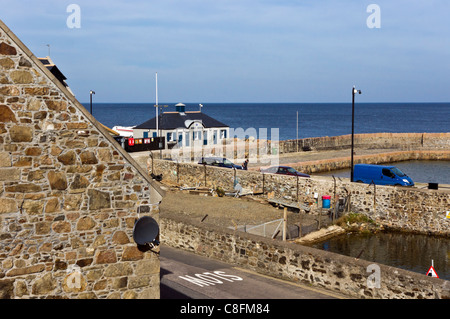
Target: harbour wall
(400,208)
(337,163)
(399,141)
(296,263)
(258,149)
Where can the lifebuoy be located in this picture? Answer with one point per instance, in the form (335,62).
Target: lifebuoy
(131,141)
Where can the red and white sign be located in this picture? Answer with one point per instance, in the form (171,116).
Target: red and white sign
(432,273)
(130,141)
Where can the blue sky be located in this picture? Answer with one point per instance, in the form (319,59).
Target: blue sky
(242,50)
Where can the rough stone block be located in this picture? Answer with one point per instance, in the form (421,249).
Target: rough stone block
(6,115)
(5,159)
(79,182)
(37,91)
(72,202)
(8,205)
(68,158)
(6,49)
(44,285)
(88,157)
(35,175)
(21,77)
(57,180)
(33,207)
(23,188)
(7,289)
(106,257)
(9,174)
(132,253)
(33,151)
(43,228)
(85,223)
(61,227)
(98,199)
(147,267)
(25,270)
(118,269)
(9,90)
(21,134)
(56,105)
(7,63)
(120,238)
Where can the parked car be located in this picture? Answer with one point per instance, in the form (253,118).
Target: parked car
(219,162)
(284,170)
(380,175)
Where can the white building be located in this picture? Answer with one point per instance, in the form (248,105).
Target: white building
(187,129)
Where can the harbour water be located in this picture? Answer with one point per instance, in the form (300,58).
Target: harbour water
(406,251)
(314,119)
(419,171)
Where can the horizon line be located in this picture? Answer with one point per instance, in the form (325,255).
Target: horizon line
(349,102)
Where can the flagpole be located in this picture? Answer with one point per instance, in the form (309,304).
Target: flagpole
(156,77)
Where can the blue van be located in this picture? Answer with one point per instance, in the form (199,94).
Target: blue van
(380,175)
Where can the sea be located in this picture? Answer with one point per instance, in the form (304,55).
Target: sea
(313,120)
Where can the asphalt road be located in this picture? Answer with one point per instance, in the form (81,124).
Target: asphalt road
(185,275)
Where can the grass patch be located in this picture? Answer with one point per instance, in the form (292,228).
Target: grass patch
(353,218)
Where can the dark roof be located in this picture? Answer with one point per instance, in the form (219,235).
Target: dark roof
(174,120)
(54,70)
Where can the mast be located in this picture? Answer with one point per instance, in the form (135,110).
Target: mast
(156,76)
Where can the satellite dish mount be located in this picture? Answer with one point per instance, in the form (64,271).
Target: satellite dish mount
(146,233)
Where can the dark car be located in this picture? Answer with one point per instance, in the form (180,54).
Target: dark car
(284,170)
(219,162)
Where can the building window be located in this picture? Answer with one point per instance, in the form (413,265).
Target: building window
(205,138)
(170,136)
(223,134)
(187,139)
(215,136)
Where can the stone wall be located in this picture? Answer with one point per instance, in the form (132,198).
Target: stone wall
(299,263)
(234,148)
(69,195)
(399,141)
(402,208)
(331,164)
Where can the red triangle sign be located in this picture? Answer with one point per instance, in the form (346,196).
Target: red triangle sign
(432,273)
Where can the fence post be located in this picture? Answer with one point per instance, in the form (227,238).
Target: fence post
(204,166)
(284,223)
(263,187)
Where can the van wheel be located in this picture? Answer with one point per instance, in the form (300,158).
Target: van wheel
(397,185)
(359,181)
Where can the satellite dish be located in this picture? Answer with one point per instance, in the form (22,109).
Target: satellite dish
(145,231)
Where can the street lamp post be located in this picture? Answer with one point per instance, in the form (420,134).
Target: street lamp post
(90,93)
(354,91)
